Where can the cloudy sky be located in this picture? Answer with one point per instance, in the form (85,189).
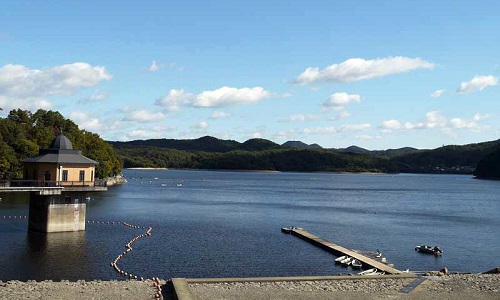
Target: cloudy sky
(377,74)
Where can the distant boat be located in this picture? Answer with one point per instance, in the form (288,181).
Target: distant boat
(368,272)
(163,184)
(338,260)
(179,184)
(428,249)
(356,264)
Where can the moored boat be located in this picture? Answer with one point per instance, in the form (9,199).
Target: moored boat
(367,272)
(428,249)
(346,262)
(356,264)
(338,260)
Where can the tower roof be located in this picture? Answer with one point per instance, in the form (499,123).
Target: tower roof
(61,142)
(61,151)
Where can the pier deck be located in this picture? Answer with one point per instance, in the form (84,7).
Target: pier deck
(340,251)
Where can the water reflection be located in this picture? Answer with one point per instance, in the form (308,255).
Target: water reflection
(48,256)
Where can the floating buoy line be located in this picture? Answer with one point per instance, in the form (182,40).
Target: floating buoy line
(128,249)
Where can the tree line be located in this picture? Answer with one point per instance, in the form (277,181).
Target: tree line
(23,134)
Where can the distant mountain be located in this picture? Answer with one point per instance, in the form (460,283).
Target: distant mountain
(259,145)
(387,153)
(489,166)
(300,145)
(206,144)
(446,159)
(354,149)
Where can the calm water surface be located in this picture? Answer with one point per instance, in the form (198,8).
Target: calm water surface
(227,224)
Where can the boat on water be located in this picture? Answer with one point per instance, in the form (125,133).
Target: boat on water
(428,249)
(356,264)
(346,262)
(368,272)
(376,273)
(338,260)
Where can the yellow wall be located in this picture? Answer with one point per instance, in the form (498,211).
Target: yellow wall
(56,175)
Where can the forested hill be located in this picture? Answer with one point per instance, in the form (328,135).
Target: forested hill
(489,166)
(205,144)
(446,159)
(229,154)
(23,134)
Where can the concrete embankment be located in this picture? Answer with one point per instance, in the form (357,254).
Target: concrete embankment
(460,287)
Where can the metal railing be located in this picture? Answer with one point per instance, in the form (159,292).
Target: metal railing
(50,183)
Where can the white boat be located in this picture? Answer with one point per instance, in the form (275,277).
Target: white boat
(368,272)
(376,273)
(338,260)
(356,264)
(346,262)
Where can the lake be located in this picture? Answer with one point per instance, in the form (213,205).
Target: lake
(227,224)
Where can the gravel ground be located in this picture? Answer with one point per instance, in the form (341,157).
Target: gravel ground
(457,283)
(77,290)
(460,287)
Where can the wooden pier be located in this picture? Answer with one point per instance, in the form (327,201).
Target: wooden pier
(340,251)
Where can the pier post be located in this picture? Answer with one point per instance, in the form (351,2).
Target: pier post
(56,211)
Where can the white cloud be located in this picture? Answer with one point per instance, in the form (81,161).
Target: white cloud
(256,135)
(437,94)
(355,69)
(156,67)
(20,82)
(432,120)
(479,117)
(459,123)
(226,96)
(341,100)
(365,137)
(219,114)
(97,96)
(174,99)
(319,130)
(143,134)
(355,127)
(478,83)
(304,117)
(144,116)
(201,125)
(8,103)
(285,134)
(85,121)
(343,114)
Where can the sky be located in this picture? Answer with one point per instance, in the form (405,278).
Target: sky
(376,74)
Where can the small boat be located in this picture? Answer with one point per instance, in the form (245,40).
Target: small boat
(286,229)
(163,184)
(179,184)
(428,249)
(356,264)
(346,262)
(368,272)
(376,273)
(338,260)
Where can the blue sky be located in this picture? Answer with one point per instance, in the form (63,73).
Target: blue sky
(377,74)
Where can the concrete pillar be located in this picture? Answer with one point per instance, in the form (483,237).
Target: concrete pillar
(52,212)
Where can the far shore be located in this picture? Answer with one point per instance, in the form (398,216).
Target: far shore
(146,168)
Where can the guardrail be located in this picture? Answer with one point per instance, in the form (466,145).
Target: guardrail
(43,183)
